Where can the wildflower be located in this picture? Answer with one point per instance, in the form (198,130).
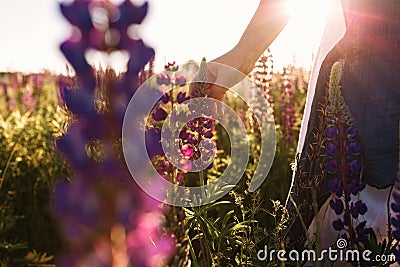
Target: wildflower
(181,97)
(356,186)
(166,98)
(355,148)
(336,185)
(338,225)
(332,165)
(159,114)
(180,80)
(331,149)
(77,13)
(81,203)
(342,146)
(129,14)
(163,78)
(337,205)
(180,177)
(362,232)
(331,132)
(80,102)
(395,219)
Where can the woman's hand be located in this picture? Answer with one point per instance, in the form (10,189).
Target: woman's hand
(209,82)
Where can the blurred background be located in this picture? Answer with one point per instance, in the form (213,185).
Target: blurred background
(178,30)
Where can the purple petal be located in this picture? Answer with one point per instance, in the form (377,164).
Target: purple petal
(78,14)
(130,14)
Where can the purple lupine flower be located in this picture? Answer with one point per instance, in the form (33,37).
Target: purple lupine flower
(342,146)
(361,207)
(184,135)
(136,62)
(159,114)
(352,132)
(73,145)
(329,121)
(181,97)
(356,166)
(84,197)
(356,186)
(362,232)
(75,54)
(208,134)
(262,76)
(355,148)
(153,142)
(28,100)
(166,98)
(338,225)
(287,103)
(395,216)
(180,80)
(208,124)
(80,102)
(331,149)
(163,78)
(336,185)
(337,205)
(130,14)
(77,13)
(332,165)
(395,221)
(187,150)
(331,132)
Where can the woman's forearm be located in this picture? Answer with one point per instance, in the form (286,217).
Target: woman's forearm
(270,18)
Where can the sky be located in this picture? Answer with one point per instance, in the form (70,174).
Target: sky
(179,30)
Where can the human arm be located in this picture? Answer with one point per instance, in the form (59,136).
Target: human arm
(268,21)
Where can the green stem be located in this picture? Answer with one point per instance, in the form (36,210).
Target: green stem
(3,177)
(301,220)
(203,194)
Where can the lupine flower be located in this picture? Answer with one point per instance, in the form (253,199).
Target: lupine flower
(201,88)
(181,97)
(262,75)
(331,149)
(337,205)
(356,186)
(159,114)
(336,185)
(342,146)
(338,225)
(102,201)
(287,112)
(180,80)
(331,132)
(395,219)
(163,78)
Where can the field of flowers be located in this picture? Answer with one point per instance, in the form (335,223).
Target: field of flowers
(67,196)
(44,195)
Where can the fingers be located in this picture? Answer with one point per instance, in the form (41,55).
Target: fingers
(211,87)
(217,92)
(219,110)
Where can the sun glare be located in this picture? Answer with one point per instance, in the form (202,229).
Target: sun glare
(300,39)
(307,8)
(178,30)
